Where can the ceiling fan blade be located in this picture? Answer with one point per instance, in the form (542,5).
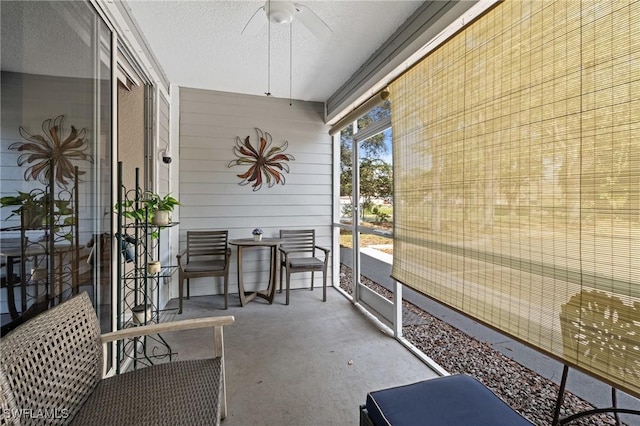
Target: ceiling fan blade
(313,22)
(255,23)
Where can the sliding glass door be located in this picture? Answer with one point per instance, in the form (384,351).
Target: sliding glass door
(55,151)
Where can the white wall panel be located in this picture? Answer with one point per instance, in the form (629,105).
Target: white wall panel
(163,183)
(210,192)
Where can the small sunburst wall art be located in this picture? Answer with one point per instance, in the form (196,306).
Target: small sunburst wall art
(51,152)
(267,164)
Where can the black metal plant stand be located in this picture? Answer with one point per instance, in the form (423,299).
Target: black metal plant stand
(138,294)
(48,270)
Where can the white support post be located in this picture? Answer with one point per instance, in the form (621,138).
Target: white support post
(355,211)
(397,309)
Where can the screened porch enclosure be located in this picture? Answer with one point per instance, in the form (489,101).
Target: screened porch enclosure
(517,176)
(501,178)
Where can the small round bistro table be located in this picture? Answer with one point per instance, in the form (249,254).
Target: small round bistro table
(248,243)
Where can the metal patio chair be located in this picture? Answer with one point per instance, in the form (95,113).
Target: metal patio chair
(206,255)
(298,251)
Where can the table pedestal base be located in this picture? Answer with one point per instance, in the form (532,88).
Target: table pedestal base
(269,293)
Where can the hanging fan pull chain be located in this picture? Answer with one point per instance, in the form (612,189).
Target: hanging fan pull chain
(290,60)
(268,93)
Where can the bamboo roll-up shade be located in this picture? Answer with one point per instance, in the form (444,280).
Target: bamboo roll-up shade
(517,179)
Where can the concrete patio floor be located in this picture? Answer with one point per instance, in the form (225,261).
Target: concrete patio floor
(309,363)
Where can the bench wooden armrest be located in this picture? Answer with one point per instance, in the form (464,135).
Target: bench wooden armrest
(167,327)
(215,323)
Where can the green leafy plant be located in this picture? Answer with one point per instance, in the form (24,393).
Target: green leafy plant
(346,209)
(147,206)
(160,207)
(34,209)
(128,210)
(31,206)
(155,202)
(380,215)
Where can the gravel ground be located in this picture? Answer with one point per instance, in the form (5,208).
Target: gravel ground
(527,392)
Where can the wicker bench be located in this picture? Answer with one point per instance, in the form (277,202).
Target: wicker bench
(51,372)
(445,401)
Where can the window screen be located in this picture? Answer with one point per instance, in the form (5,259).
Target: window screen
(517,179)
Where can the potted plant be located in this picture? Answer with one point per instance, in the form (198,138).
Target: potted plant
(151,208)
(257,234)
(30,207)
(159,208)
(141,314)
(153,267)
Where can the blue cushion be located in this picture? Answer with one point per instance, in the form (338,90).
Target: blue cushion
(457,400)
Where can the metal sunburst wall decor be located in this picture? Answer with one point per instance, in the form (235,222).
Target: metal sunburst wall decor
(266,164)
(51,153)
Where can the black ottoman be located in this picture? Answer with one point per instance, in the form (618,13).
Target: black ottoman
(457,400)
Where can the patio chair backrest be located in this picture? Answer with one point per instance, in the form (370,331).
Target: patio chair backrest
(7,403)
(299,240)
(203,245)
(58,351)
(597,330)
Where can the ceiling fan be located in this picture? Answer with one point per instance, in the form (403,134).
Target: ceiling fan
(286,12)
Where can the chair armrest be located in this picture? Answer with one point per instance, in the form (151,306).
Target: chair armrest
(283,250)
(167,327)
(325,250)
(179,257)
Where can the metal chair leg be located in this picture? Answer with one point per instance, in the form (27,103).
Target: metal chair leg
(614,404)
(226,293)
(180,291)
(324,285)
(288,284)
(560,400)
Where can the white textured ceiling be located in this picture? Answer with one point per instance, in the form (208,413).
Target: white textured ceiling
(199,44)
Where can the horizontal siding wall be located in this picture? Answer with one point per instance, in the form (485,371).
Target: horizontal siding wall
(210,193)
